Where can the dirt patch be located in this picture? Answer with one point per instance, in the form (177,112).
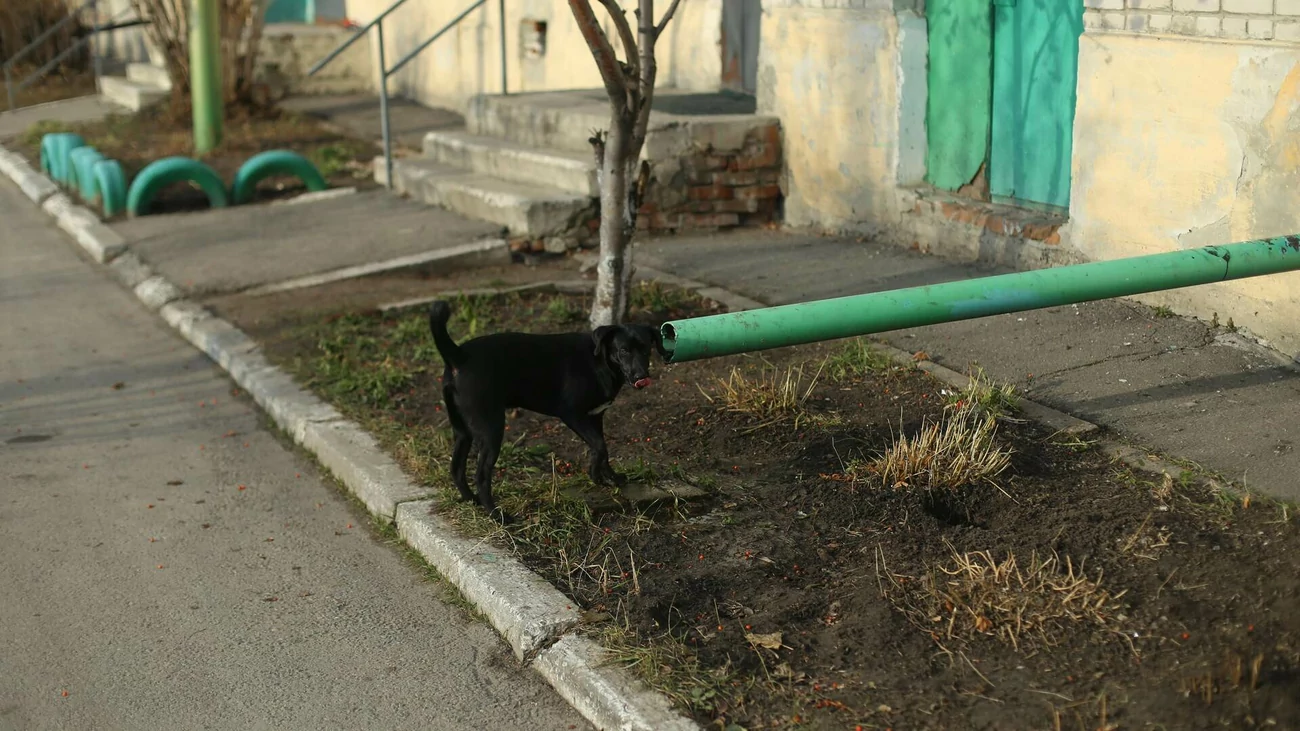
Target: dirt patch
(828,579)
(136,140)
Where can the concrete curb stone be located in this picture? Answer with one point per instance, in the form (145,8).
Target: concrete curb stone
(101,242)
(129,270)
(353,456)
(156,291)
(578,669)
(34,185)
(523,606)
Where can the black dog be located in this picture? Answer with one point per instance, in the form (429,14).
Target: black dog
(573,376)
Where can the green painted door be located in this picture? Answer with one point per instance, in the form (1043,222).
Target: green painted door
(1035,69)
(291,11)
(957,105)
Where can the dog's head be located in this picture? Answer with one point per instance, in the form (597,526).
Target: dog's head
(626,349)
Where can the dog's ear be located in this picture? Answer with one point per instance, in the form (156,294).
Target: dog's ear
(657,338)
(601,336)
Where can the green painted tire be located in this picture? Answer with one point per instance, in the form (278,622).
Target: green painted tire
(274,162)
(81,162)
(111,183)
(161,173)
(54,154)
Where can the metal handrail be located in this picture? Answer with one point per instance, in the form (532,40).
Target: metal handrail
(97,28)
(385,72)
(14,59)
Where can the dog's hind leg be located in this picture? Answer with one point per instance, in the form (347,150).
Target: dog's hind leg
(461,444)
(489,430)
(591,428)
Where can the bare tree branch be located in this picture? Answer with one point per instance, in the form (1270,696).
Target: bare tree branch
(659,29)
(625,34)
(606,60)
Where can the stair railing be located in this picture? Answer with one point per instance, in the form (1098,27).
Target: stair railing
(385,72)
(99,27)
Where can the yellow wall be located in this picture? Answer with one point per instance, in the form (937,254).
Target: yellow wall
(466,61)
(831,75)
(1180,143)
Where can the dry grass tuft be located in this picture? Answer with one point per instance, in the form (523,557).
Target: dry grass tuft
(956,451)
(770,397)
(977,595)
(1000,401)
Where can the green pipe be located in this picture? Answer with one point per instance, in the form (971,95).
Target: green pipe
(864,314)
(205,75)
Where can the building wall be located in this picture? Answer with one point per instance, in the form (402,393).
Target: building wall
(467,61)
(1182,142)
(835,72)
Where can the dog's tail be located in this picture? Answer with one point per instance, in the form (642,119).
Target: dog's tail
(439,314)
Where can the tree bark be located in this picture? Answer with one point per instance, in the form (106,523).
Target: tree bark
(620,173)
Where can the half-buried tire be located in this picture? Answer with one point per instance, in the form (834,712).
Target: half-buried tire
(274,162)
(162,173)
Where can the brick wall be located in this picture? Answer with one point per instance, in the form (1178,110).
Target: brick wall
(1234,19)
(715,188)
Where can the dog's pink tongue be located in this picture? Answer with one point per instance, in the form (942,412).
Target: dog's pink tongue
(642,383)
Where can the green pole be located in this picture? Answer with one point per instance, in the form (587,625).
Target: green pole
(841,317)
(205,75)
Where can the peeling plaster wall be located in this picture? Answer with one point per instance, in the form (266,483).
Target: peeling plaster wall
(1180,143)
(830,70)
(467,60)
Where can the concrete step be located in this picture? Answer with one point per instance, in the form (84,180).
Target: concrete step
(130,94)
(525,210)
(147,74)
(556,121)
(573,172)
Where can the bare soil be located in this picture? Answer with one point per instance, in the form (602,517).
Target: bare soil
(136,140)
(798,593)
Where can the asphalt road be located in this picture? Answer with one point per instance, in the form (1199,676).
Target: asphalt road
(168,563)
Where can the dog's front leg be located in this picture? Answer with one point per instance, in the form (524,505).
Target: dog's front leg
(591,428)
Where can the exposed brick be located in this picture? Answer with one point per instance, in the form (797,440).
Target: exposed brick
(1136,22)
(1112,21)
(1184,24)
(1249,7)
(749,205)
(711,193)
(769,177)
(1159,22)
(1207,26)
(1288,7)
(758,191)
(1260,28)
(1150,4)
(1234,27)
(1104,4)
(746,178)
(710,220)
(769,156)
(1196,6)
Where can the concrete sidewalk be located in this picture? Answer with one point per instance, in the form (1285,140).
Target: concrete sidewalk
(1172,384)
(232,249)
(169,563)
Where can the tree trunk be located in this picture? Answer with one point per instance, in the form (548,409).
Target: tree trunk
(614,268)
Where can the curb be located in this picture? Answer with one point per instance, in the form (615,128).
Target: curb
(535,618)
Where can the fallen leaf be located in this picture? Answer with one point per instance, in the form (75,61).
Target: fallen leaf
(119,385)
(771,641)
(174,483)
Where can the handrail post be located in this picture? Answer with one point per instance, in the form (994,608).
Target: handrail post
(501,4)
(383,110)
